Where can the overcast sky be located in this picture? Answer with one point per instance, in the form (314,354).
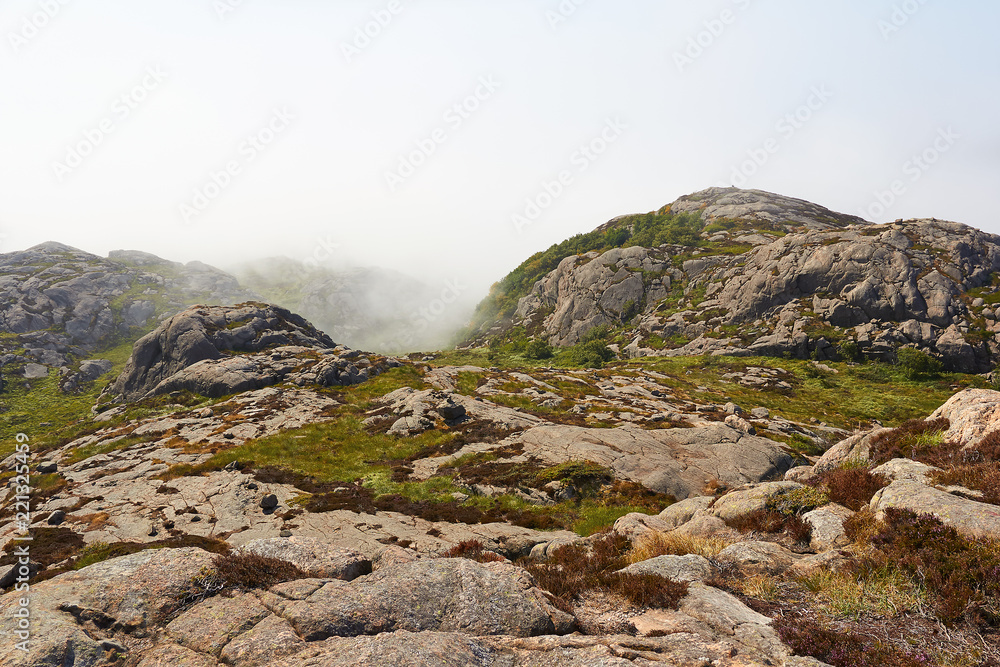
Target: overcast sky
(453,138)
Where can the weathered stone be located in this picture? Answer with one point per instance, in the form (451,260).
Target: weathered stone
(758,557)
(679,462)
(315,557)
(679,568)
(969,517)
(828,526)
(972,414)
(210,625)
(683,511)
(739,503)
(444,595)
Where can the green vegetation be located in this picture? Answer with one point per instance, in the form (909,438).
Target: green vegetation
(648,230)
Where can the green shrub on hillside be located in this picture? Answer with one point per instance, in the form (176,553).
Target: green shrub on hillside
(915,363)
(647,230)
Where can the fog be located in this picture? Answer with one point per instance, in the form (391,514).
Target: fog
(451,140)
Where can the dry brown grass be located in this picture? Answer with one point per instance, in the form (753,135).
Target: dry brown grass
(655,544)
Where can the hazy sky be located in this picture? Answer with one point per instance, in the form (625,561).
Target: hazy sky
(411,133)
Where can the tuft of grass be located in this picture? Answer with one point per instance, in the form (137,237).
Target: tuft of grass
(656,544)
(883,590)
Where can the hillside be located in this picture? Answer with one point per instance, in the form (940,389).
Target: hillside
(742,272)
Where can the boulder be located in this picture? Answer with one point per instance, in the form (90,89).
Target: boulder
(828,526)
(969,517)
(679,568)
(739,503)
(972,414)
(315,557)
(207,334)
(758,557)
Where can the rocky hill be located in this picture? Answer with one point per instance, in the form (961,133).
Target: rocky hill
(61,305)
(745,272)
(249,493)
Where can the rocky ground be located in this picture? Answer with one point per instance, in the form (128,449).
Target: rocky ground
(242,490)
(452,549)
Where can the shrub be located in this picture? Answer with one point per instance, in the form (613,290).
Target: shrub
(916,364)
(961,576)
(841,649)
(473,550)
(591,354)
(913,439)
(249,571)
(572,570)
(798,501)
(538,349)
(771,521)
(851,487)
(849,350)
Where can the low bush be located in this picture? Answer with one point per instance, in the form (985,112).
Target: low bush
(538,349)
(473,550)
(960,576)
(916,364)
(850,486)
(916,439)
(806,637)
(771,521)
(573,570)
(248,571)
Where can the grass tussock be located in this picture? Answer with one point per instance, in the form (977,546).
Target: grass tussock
(653,544)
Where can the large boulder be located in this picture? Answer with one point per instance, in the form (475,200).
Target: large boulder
(195,350)
(133,594)
(972,414)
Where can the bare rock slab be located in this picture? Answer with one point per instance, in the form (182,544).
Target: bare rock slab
(679,462)
(441,595)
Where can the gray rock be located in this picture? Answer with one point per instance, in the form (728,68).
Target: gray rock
(679,568)
(445,595)
(315,557)
(758,557)
(969,517)
(738,503)
(680,462)
(828,527)
(269,501)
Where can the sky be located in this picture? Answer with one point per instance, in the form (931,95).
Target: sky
(451,139)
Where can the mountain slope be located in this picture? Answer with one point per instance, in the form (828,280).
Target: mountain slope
(739,272)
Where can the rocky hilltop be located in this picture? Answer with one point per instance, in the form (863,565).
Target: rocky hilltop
(745,272)
(61,304)
(249,493)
